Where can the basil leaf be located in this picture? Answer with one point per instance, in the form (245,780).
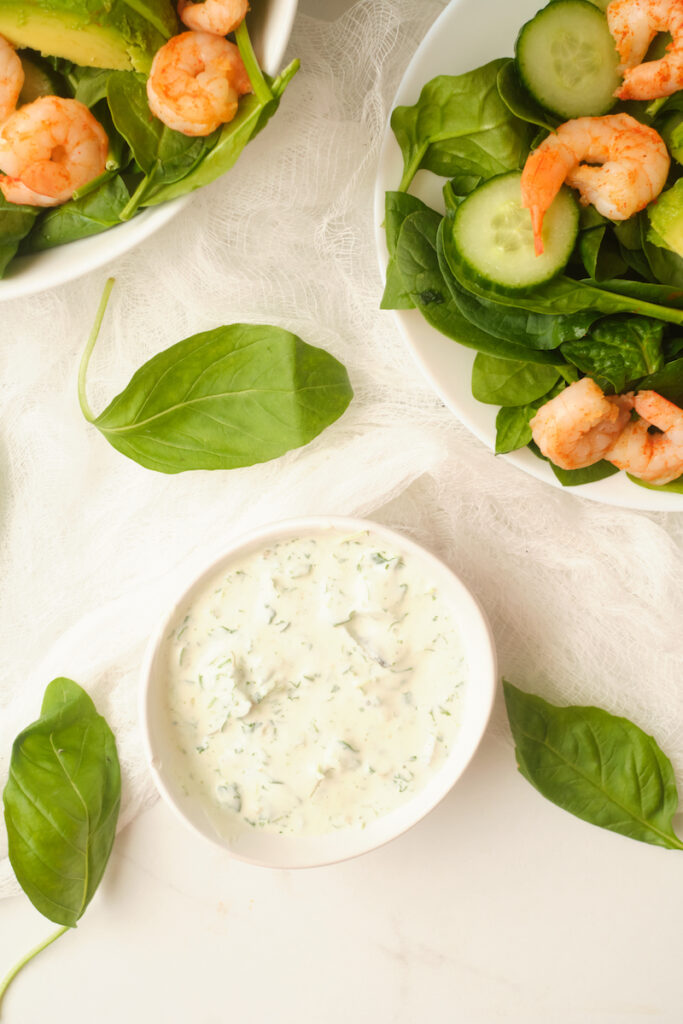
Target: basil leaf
(602,768)
(509,382)
(234,396)
(460,125)
(62,802)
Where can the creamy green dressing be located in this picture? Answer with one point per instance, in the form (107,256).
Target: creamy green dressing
(314,685)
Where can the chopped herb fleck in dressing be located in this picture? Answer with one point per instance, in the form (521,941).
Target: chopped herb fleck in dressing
(316,686)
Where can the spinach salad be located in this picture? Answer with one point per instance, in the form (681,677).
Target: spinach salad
(147,162)
(612,309)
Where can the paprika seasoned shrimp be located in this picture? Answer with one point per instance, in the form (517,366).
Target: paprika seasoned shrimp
(195,82)
(48,149)
(656,458)
(11,78)
(634,24)
(579,426)
(635,163)
(216,16)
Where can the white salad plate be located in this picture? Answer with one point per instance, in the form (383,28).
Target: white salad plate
(291,851)
(467,34)
(270,28)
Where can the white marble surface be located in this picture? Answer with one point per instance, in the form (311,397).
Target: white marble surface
(497,907)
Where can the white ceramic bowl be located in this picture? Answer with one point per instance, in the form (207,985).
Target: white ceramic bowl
(273,850)
(29,275)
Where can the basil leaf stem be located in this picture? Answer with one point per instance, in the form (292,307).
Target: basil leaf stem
(11,975)
(85,358)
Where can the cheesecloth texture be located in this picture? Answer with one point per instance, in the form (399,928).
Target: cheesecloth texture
(584,599)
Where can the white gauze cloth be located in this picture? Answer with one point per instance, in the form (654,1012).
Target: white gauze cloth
(584,599)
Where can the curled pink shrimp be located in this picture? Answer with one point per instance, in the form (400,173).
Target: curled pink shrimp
(634,24)
(48,149)
(216,16)
(11,78)
(579,426)
(195,82)
(656,457)
(634,166)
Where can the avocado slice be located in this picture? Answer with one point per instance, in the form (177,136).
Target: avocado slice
(121,34)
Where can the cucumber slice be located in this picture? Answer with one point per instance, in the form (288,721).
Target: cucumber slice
(567,59)
(494,242)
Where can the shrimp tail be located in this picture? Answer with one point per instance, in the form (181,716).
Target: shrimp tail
(537,225)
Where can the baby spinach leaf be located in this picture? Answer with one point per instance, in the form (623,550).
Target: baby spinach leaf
(588,475)
(397,206)
(15,223)
(618,350)
(418,265)
(61,806)
(457,189)
(89,84)
(80,218)
(674,486)
(519,101)
(61,803)
(512,428)
(512,422)
(460,125)
(641,293)
(233,396)
(600,253)
(508,382)
(597,766)
(668,381)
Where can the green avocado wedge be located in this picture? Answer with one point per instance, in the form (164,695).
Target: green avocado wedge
(121,34)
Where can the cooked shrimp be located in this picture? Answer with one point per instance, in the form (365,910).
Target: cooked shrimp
(634,24)
(654,457)
(48,149)
(635,163)
(195,82)
(11,78)
(580,425)
(216,16)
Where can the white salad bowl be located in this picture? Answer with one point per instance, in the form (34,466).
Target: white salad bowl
(289,851)
(270,25)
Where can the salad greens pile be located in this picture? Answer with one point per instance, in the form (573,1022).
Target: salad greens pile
(147,163)
(614,314)
(61,807)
